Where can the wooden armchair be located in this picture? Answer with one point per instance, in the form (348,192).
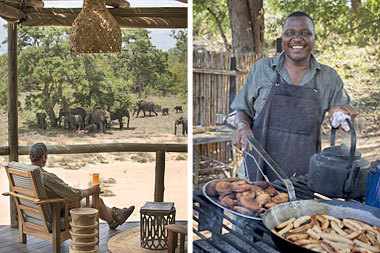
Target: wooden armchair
(37,215)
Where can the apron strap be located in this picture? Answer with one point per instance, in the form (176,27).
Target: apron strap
(278,79)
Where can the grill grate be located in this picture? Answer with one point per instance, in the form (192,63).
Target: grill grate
(235,235)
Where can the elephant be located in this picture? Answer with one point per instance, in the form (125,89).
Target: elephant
(87,120)
(75,111)
(108,119)
(165,111)
(145,105)
(75,122)
(119,114)
(79,111)
(180,121)
(62,113)
(178,109)
(100,119)
(41,120)
(90,128)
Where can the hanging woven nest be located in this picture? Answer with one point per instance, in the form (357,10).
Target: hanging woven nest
(95,30)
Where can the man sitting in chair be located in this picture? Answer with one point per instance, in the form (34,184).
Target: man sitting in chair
(57,188)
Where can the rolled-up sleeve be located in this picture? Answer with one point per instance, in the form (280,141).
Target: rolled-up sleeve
(333,89)
(339,94)
(54,184)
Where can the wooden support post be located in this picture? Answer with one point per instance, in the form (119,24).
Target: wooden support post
(12,107)
(159,185)
(196,166)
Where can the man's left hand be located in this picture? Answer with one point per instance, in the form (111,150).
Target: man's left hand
(343,108)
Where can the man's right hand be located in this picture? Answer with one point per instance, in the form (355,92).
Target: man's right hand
(92,190)
(238,140)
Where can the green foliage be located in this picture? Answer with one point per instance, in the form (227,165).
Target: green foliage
(181,44)
(146,63)
(205,25)
(3,82)
(336,22)
(50,77)
(177,65)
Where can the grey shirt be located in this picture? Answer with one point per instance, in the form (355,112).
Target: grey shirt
(57,188)
(252,96)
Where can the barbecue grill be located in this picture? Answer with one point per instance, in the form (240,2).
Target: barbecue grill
(236,235)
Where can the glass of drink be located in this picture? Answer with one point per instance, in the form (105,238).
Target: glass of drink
(95,178)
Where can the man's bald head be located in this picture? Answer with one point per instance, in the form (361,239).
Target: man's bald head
(37,151)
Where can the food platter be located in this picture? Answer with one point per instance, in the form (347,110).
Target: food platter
(296,209)
(216,202)
(242,198)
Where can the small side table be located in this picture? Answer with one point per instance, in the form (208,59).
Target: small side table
(154,216)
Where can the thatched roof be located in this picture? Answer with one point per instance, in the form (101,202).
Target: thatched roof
(33,14)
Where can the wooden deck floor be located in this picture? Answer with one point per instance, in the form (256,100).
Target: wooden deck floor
(9,239)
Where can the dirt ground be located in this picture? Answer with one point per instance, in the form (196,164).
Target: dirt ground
(127,178)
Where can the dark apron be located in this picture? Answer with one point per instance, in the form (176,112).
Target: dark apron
(288,128)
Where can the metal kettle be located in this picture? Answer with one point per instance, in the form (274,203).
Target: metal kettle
(339,171)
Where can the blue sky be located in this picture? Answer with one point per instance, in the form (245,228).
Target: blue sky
(160,37)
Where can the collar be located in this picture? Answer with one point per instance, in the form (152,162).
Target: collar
(279,60)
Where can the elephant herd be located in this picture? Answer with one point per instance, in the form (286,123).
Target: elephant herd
(78,119)
(98,120)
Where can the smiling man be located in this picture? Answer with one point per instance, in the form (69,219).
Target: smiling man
(284,100)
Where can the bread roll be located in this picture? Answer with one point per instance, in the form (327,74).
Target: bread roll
(249,203)
(243,210)
(210,189)
(240,187)
(271,191)
(223,188)
(262,199)
(227,202)
(280,198)
(261,184)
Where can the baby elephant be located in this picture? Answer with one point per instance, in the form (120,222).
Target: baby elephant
(178,109)
(75,122)
(180,121)
(91,128)
(41,120)
(165,111)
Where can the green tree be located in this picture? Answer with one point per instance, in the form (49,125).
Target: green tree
(52,76)
(180,49)
(147,63)
(4,82)
(178,63)
(45,68)
(211,21)
(337,21)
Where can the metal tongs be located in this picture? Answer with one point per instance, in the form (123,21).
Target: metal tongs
(272,164)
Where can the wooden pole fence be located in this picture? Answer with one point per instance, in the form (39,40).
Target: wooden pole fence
(103,148)
(159,185)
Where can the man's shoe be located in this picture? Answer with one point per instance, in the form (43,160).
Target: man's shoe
(120,216)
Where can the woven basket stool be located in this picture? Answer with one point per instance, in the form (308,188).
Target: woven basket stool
(154,216)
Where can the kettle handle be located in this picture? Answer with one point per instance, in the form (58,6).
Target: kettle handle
(353,142)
